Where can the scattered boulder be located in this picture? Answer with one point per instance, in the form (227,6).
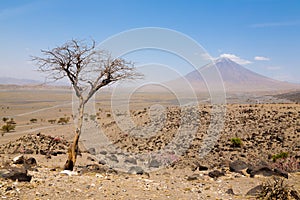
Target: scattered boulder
(279,172)
(31,161)
(267,171)
(102,162)
(238,166)
(35,143)
(19,159)
(154,164)
(193,177)
(130,160)
(113,158)
(230,191)
(14,174)
(94,168)
(254,191)
(92,151)
(136,170)
(216,174)
(202,168)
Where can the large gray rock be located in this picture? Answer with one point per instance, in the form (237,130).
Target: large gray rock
(14,174)
(238,166)
(254,191)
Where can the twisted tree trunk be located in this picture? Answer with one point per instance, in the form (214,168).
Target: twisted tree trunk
(73,149)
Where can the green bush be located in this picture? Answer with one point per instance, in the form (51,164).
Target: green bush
(8,127)
(63,120)
(236,142)
(279,156)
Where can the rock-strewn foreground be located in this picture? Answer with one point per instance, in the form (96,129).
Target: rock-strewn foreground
(228,171)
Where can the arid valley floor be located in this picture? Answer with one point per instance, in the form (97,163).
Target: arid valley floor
(265,126)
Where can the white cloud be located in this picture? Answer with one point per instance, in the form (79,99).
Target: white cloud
(261,58)
(235,59)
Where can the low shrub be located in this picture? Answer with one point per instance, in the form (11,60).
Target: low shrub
(63,120)
(236,142)
(276,188)
(33,120)
(279,156)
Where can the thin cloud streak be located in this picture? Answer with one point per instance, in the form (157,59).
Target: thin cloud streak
(261,58)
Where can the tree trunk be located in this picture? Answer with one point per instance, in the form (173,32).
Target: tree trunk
(73,149)
(72,154)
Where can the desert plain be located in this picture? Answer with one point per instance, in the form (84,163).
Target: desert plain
(257,129)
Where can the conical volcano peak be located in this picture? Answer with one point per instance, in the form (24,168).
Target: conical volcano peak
(224,60)
(238,78)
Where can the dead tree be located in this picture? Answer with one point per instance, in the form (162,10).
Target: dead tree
(88,70)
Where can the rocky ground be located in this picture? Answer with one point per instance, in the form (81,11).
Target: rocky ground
(266,144)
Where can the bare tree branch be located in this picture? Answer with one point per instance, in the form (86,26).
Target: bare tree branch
(88,70)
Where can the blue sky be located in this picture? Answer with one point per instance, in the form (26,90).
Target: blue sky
(263,35)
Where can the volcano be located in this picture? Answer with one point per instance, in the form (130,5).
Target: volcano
(237,78)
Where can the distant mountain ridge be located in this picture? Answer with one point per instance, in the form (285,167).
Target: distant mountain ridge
(16,81)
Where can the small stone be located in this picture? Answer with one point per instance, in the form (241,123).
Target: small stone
(19,159)
(92,151)
(216,174)
(202,168)
(8,188)
(131,160)
(69,173)
(230,191)
(103,152)
(90,158)
(31,161)
(193,177)
(136,170)
(113,158)
(102,162)
(28,151)
(154,163)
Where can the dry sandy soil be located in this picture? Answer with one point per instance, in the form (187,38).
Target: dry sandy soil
(265,129)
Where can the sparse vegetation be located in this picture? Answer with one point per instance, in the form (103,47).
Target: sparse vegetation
(276,188)
(280,156)
(52,121)
(4,119)
(93,117)
(63,120)
(9,125)
(33,120)
(289,164)
(236,142)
